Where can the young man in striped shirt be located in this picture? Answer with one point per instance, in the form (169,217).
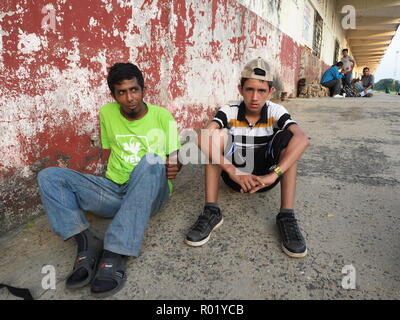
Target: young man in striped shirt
(253,145)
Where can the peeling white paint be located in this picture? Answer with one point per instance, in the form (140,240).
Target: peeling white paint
(8,13)
(22,72)
(140,19)
(101,58)
(2,33)
(71,94)
(263,9)
(125,3)
(93,22)
(44,42)
(28,43)
(26,172)
(108,5)
(13,157)
(73,55)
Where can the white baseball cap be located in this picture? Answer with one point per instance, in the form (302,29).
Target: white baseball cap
(257,69)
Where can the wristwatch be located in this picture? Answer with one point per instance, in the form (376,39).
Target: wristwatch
(277,170)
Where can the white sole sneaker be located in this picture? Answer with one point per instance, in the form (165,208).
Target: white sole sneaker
(205,240)
(294,255)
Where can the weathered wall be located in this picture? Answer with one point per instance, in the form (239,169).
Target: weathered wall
(311,67)
(53,64)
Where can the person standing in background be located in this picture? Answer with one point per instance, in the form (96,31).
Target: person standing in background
(348,66)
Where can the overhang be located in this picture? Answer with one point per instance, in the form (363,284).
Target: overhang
(376,25)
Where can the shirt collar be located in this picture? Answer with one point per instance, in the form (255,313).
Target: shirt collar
(242,113)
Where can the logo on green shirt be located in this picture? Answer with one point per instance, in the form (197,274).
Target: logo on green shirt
(133,147)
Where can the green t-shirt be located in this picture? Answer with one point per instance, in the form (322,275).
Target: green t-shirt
(129,141)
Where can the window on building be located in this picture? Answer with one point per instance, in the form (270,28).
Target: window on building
(318,27)
(336,54)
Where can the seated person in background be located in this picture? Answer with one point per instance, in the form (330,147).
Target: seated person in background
(366,84)
(332,79)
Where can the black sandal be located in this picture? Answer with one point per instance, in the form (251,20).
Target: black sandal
(88,260)
(113,269)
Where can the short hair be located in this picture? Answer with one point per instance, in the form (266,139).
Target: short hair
(339,64)
(123,71)
(243,81)
(366,68)
(345,50)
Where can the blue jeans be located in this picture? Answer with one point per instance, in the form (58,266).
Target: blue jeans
(66,193)
(360,88)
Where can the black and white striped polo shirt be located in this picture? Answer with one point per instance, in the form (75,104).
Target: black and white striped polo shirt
(274,117)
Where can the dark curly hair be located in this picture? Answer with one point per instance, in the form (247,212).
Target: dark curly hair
(123,71)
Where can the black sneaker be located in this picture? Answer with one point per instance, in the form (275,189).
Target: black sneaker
(199,233)
(293,243)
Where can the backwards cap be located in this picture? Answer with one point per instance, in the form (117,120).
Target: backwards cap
(257,69)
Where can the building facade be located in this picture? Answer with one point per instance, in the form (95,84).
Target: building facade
(54,57)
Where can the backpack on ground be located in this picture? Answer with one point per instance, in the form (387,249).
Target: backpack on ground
(348,91)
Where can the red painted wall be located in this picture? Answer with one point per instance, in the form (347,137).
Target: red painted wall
(54,61)
(311,67)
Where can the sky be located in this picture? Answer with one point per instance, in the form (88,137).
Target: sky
(388,68)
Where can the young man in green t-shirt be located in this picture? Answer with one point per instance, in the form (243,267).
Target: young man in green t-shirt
(141,143)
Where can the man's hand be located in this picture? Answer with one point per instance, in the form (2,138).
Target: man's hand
(265,181)
(173,170)
(246,181)
(173,165)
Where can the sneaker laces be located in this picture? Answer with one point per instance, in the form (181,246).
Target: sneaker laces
(291,229)
(203,221)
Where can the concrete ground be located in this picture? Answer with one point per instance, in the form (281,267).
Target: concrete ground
(348,205)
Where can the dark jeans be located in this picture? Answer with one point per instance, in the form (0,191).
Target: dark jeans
(264,157)
(334,86)
(347,79)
